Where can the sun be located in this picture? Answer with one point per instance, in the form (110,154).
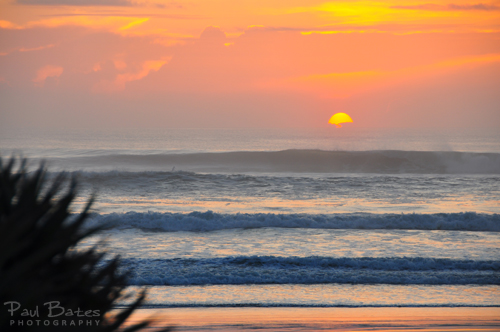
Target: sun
(339,118)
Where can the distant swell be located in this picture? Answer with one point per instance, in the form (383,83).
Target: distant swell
(242,270)
(210,221)
(316,161)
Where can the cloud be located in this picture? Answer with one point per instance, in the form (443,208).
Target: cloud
(45,72)
(344,85)
(435,7)
(395,28)
(119,14)
(208,84)
(213,34)
(102,3)
(76,2)
(134,23)
(7,25)
(121,79)
(24,49)
(118,24)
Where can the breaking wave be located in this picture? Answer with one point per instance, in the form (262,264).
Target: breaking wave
(211,221)
(242,270)
(314,161)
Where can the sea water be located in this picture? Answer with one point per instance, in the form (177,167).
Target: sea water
(289,217)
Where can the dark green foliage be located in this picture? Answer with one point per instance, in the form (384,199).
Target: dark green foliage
(38,260)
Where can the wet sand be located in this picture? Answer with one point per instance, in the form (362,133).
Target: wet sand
(324,319)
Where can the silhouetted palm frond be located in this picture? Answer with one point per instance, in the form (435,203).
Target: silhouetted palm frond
(39,263)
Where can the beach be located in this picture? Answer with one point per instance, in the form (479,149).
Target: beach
(325,319)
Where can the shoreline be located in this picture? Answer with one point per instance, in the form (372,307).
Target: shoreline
(323,319)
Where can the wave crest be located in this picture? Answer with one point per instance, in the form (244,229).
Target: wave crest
(211,221)
(242,270)
(314,161)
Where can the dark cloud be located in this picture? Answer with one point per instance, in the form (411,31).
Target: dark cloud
(174,4)
(435,7)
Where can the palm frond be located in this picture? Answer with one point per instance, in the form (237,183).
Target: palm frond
(38,260)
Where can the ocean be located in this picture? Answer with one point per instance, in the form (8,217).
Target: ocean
(321,217)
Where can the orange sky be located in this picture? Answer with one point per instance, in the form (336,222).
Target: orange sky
(226,63)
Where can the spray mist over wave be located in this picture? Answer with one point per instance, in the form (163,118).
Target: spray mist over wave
(296,161)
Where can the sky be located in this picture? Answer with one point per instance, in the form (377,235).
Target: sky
(249,63)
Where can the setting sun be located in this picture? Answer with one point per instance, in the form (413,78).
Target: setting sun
(339,118)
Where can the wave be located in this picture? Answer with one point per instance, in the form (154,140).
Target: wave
(373,186)
(241,270)
(211,221)
(185,178)
(313,161)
